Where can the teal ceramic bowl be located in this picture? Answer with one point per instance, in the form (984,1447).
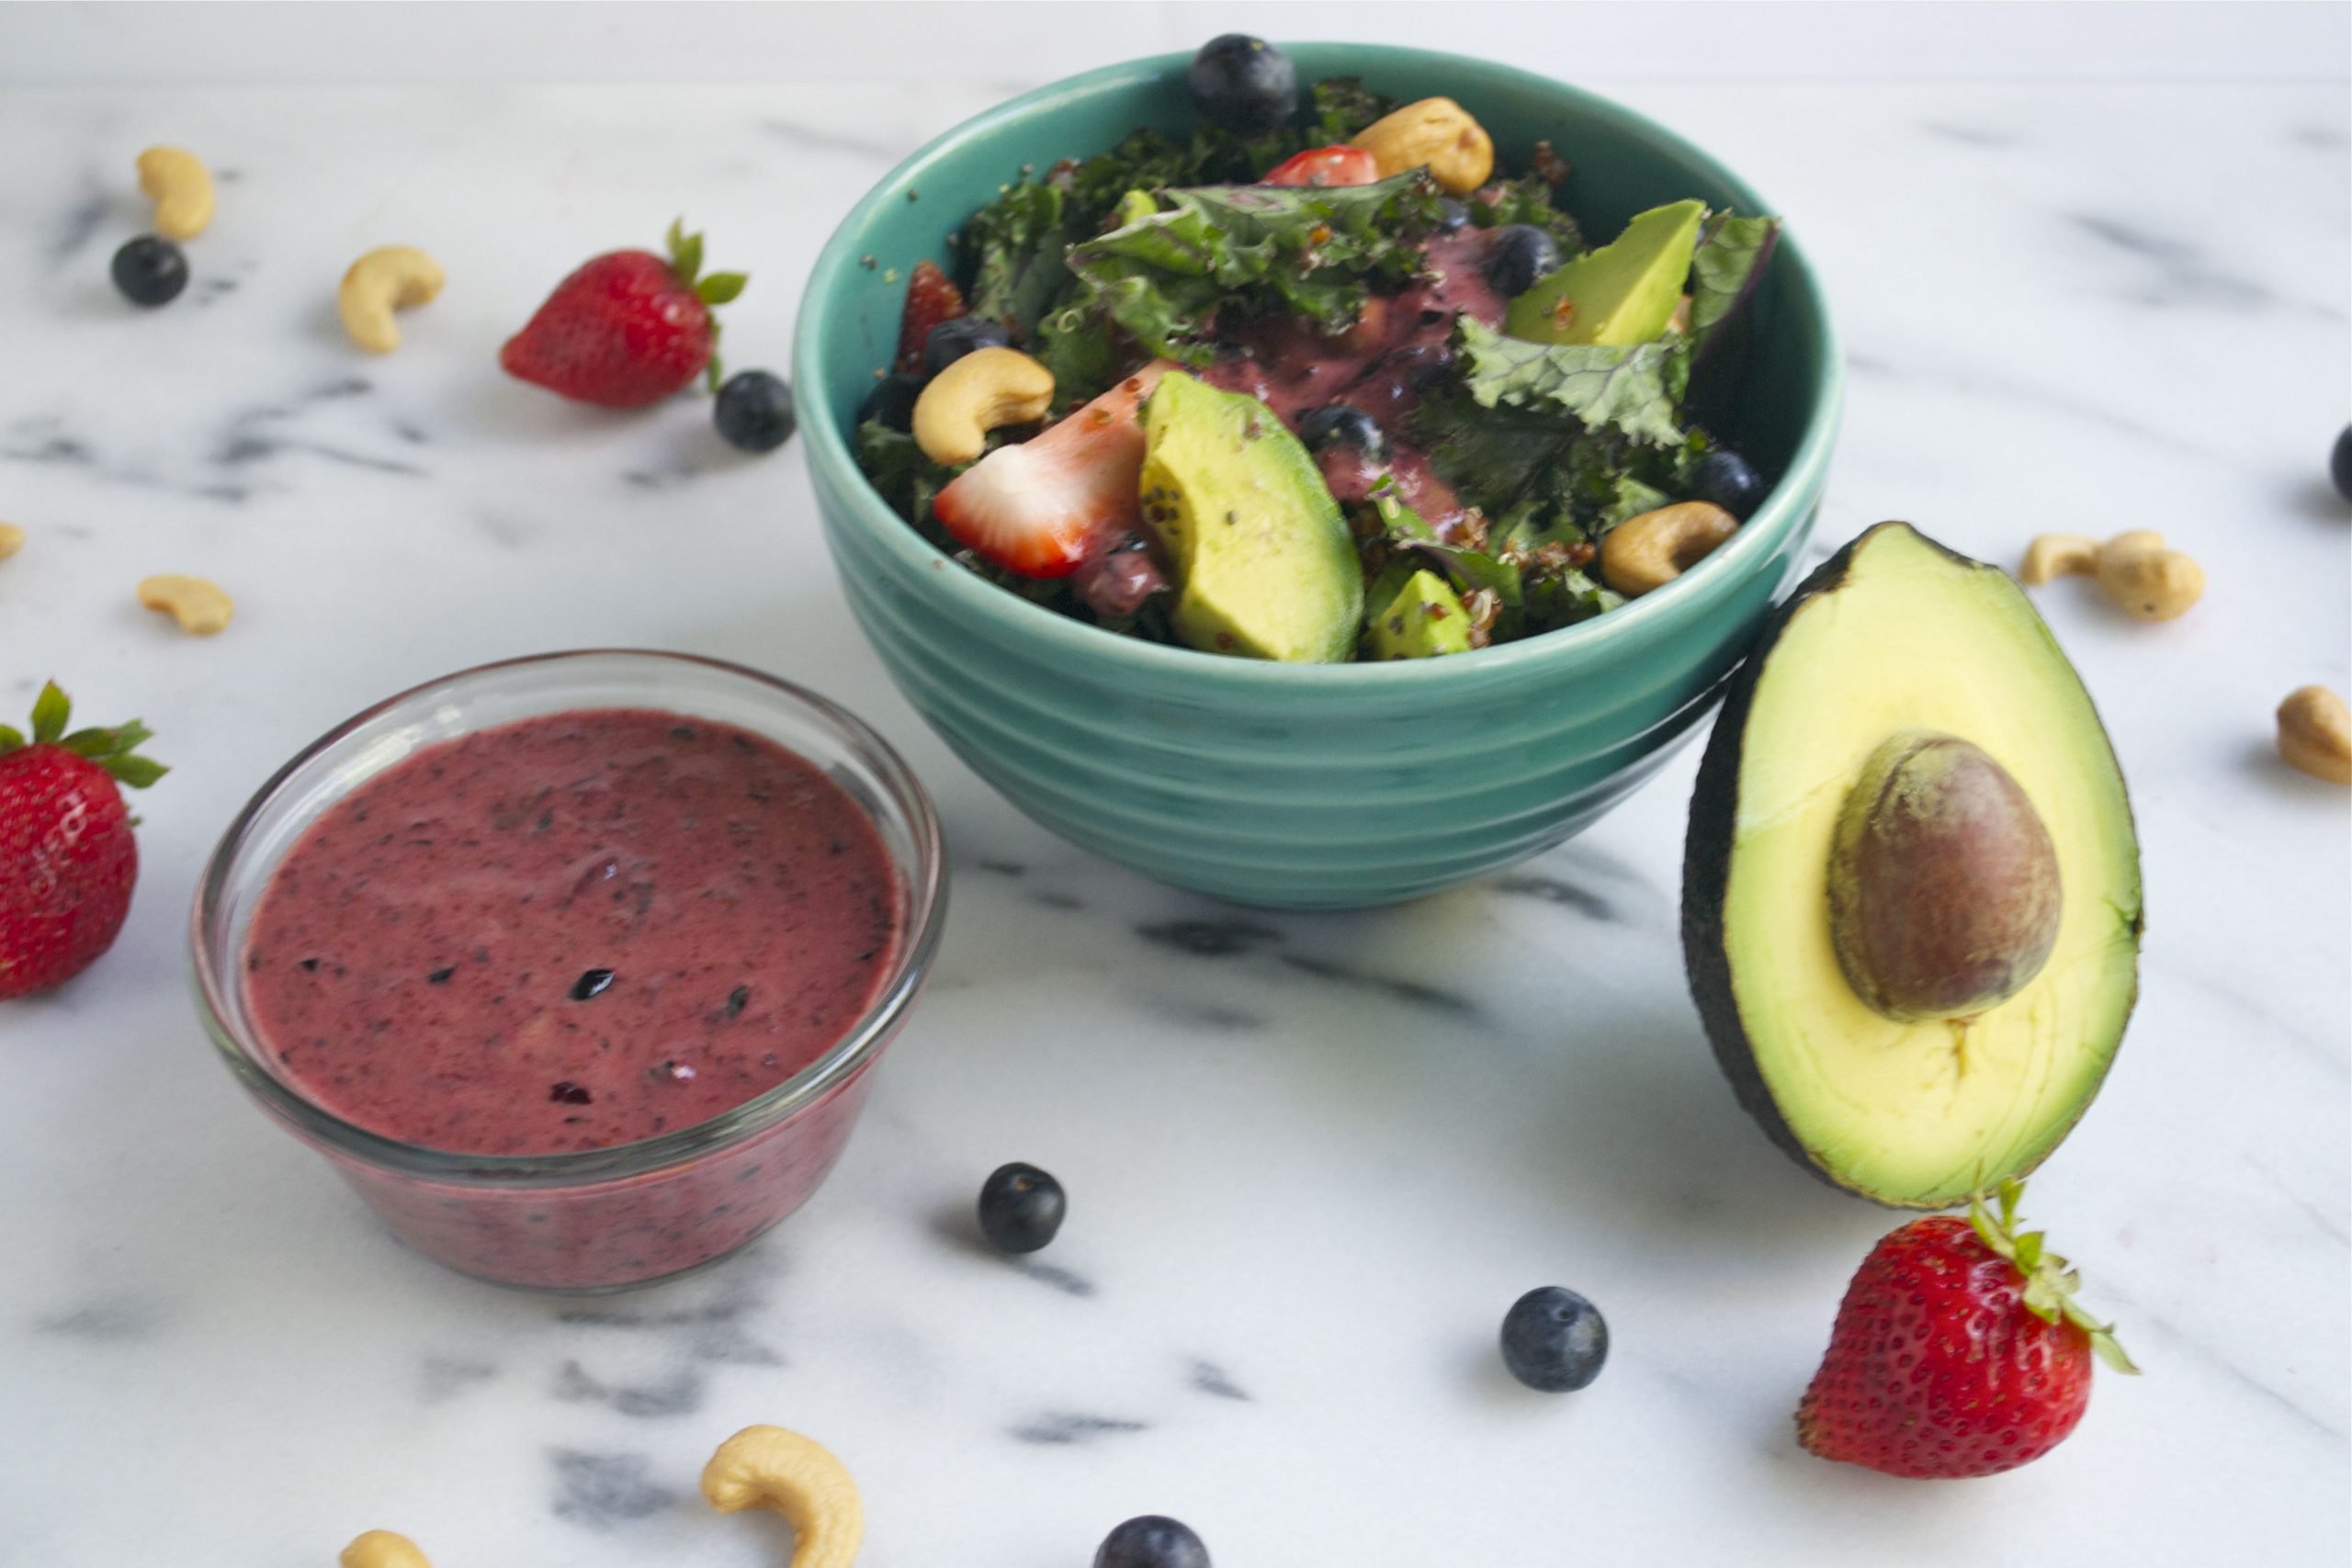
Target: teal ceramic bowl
(1307,786)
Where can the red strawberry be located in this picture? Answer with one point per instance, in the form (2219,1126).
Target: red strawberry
(628,328)
(1042,506)
(67,859)
(931,297)
(1340,165)
(1959,1350)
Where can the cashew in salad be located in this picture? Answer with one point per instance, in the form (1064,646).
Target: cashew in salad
(1437,133)
(383,1549)
(181,187)
(199,608)
(1651,550)
(389,279)
(985,389)
(768,1467)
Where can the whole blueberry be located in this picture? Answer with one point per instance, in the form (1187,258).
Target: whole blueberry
(1554,1340)
(1730,481)
(1453,215)
(150,270)
(1021,1208)
(755,411)
(1243,84)
(1519,253)
(1152,1540)
(1340,425)
(2339,464)
(893,400)
(951,341)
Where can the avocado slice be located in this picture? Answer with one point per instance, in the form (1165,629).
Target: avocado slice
(1911,903)
(1423,619)
(1263,563)
(1625,292)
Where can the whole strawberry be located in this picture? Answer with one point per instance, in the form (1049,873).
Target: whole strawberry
(1959,1350)
(628,328)
(67,859)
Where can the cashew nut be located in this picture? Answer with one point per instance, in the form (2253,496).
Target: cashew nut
(2150,581)
(2058,555)
(389,279)
(767,1467)
(987,388)
(2315,734)
(198,606)
(12,539)
(382,1549)
(181,187)
(1653,548)
(1435,133)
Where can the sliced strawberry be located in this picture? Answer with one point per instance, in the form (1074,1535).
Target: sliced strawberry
(1340,165)
(1041,507)
(931,297)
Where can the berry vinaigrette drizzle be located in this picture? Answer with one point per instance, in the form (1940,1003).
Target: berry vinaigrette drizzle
(571,933)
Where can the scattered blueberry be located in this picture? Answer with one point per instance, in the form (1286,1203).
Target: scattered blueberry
(150,270)
(592,983)
(1243,84)
(2339,464)
(755,411)
(1730,481)
(1152,1540)
(1341,424)
(951,340)
(1554,1340)
(893,400)
(1456,215)
(1521,254)
(1021,1208)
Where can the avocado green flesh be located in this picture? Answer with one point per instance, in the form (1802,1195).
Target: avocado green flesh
(1905,635)
(1423,619)
(1263,560)
(1622,293)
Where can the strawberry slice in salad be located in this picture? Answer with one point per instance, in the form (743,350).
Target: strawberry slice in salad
(1042,507)
(1340,165)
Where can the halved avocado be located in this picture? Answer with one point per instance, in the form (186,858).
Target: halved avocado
(1911,889)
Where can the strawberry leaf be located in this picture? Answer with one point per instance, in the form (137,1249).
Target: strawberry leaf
(136,772)
(51,711)
(685,253)
(720,287)
(10,737)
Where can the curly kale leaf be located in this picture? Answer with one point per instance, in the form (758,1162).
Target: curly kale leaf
(1016,244)
(901,473)
(1311,252)
(1633,388)
(1528,199)
(1731,256)
(1344,106)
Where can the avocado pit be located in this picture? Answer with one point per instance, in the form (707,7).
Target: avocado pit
(1944,893)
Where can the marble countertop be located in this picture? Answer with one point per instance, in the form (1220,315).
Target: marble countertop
(1301,1199)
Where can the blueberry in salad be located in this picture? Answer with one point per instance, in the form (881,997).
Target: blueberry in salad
(1327,382)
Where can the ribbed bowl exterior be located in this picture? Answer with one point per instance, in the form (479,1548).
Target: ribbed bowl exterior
(1305,786)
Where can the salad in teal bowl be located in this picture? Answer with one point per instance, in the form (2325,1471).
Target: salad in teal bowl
(1316,475)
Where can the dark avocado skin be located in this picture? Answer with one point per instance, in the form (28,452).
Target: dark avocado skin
(1706,875)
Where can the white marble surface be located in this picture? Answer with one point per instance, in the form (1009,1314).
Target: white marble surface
(1301,1201)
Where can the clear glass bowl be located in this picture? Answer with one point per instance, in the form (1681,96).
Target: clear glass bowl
(599,1219)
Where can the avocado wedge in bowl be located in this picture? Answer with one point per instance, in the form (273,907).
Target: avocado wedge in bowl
(1911,888)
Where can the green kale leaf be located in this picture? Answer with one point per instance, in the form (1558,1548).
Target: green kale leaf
(1344,106)
(1311,252)
(1015,244)
(1636,389)
(1528,199)
(1731,257)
